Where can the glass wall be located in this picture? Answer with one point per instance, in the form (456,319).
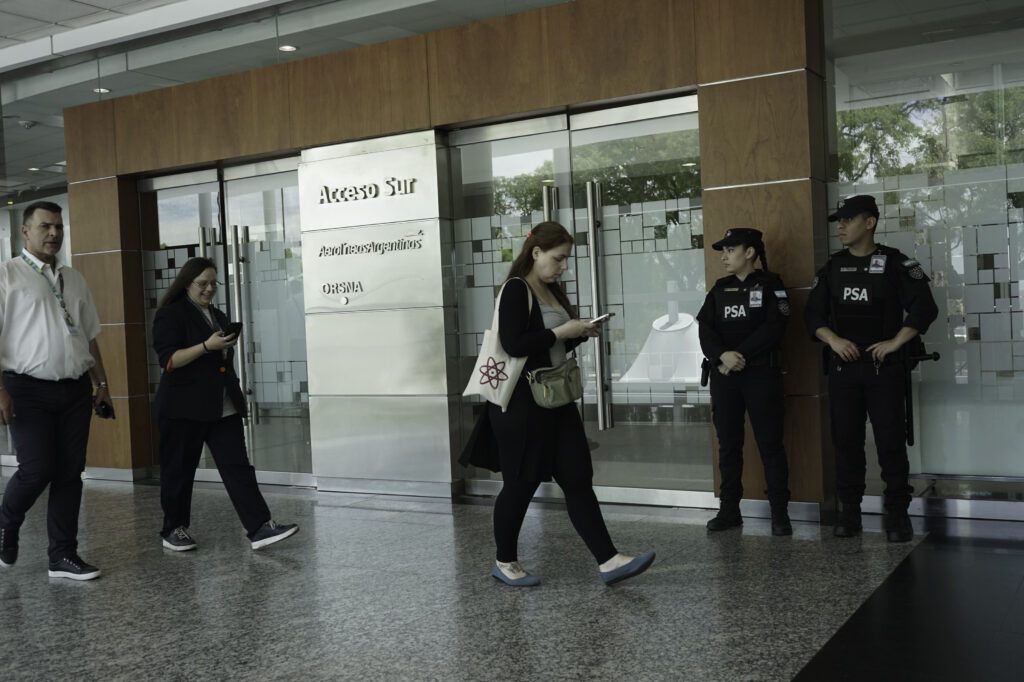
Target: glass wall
(259,233)
(935,131)
(642,167)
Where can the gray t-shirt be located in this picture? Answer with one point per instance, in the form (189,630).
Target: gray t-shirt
(553,317)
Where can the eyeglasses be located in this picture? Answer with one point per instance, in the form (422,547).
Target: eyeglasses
(203,285)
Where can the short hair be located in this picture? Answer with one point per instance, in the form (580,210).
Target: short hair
(36,205)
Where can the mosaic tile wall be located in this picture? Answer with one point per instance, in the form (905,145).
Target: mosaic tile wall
(967,230)
(276,353)
(644,246)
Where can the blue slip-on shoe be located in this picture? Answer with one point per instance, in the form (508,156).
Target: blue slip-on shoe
(634,567)
(526,581)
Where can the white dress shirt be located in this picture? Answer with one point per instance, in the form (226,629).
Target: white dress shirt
(34,337)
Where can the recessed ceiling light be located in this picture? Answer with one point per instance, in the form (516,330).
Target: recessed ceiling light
(287,48)
(101,91)
(689,164)
(33,168)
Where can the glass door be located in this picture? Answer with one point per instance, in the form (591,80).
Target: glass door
(626,183)
(256,248)
(636,188)
(265,273)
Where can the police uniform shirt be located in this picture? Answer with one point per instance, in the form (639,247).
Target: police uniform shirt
(868,299)
(35,339)
(747,316)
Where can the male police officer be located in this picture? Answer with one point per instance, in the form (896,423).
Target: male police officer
(866,303)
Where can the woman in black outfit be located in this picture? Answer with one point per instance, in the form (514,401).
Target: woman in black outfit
(741,326)
(529,443)
(199,401)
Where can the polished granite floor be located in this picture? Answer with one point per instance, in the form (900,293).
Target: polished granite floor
(386,588)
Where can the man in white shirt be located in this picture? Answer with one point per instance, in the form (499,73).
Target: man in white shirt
(49,358)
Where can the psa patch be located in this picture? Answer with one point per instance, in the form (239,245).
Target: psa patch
(913,268)
(783,299)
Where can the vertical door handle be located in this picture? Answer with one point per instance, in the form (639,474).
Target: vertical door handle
(604,418)
(236,300)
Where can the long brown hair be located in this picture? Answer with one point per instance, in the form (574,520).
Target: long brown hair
(189,271)
(547,235)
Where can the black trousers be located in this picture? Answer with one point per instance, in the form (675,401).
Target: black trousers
(573,471)
(181,446)
(756,391)
(858,391)
(50,430)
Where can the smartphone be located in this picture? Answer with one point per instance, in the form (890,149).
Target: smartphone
(233,328)
(601,318)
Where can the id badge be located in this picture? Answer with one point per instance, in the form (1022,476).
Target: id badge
(756,297)
(877,264)
(72,331)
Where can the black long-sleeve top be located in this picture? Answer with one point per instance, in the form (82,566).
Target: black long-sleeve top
(748,316)
(868,299)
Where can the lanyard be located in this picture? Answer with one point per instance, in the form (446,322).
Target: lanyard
(59,295)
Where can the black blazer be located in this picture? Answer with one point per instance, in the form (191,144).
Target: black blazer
(195,391)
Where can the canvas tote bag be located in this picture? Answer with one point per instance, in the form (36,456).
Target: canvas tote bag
(496,373)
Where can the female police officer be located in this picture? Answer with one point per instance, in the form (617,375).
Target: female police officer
(866,303)
(741,325)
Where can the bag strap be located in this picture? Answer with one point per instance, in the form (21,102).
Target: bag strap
(497,301)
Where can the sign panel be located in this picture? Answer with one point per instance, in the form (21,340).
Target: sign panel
(365,189)
(376,267)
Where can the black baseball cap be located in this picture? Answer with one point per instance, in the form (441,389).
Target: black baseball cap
(747,236)
(854,206)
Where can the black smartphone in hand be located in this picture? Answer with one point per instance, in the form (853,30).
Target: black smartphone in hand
(233,328)
(103,410)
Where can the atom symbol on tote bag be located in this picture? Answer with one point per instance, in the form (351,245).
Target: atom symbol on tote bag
(493,372)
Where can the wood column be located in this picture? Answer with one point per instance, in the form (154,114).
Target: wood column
(106,248)
(762,110)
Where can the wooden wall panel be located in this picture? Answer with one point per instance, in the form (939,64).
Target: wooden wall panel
(491,68)
(808,450)
(587,37)
(759,130)
(240,115)
(784,212)
(366,92)
(146,134)
(115,280)
(123,348)
(124,442)
(739,38)
(106,215)
(90,141)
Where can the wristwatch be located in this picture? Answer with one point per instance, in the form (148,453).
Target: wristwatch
(102,384)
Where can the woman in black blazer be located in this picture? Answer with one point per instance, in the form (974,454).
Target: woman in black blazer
(200,401)
(529,443)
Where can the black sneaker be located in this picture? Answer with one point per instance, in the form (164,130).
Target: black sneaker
(728,517)
(8,547)
(897,526)
(781,524)
(73,567)
(271,532)
(179,540)
(848,523)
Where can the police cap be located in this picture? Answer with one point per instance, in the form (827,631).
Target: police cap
(854,206)
(747,236)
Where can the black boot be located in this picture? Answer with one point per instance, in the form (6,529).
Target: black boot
(848,523)
(780,520)
(897,525)
(728,517)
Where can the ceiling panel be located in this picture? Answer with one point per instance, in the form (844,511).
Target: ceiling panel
(47,11)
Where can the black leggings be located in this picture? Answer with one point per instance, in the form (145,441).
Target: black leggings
(584,512)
